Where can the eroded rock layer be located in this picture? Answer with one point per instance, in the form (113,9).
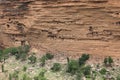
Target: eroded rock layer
(64,26)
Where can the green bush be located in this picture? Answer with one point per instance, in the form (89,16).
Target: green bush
(21,56)
(43,60)
(46,57)
(15,75)
(41,76)
(49,56)
(7,50)
(24,68)
(1,51)
(103,71)
(20,52)
(24,49)
(105,61)
(86,70)
(4,54)
(118,77)
(94,75)
(79,75)
(32,59)
(83,59)
(72,66)
(18,56)
(56,67)
(11,50)
(1,55)
(108,61)
(14,51)
(26,77)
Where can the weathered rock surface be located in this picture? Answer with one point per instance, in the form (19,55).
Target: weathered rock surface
(65,26)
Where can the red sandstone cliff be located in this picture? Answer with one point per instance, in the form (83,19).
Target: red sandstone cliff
(67,26)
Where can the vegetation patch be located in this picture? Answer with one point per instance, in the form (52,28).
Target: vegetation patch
(47,67)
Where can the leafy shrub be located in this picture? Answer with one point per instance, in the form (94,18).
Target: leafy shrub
(49,56)
(86,70)
(56,67)
(46,57)
(105,61)
(21,56)
(24,68)
(83,59)
(15,75)
(41,76)
(11,50)
(26,77)
(43,60)
(103,71)
(20,52)
(1,55)
(94,74)
(118,77)
(4,55)
(14,51)
(32,59)
(72,66)
(79,75)
(18,56)
(24,49)
(108,61)
(1,51)
(7,50)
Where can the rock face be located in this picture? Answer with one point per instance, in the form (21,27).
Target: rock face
(67,26)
